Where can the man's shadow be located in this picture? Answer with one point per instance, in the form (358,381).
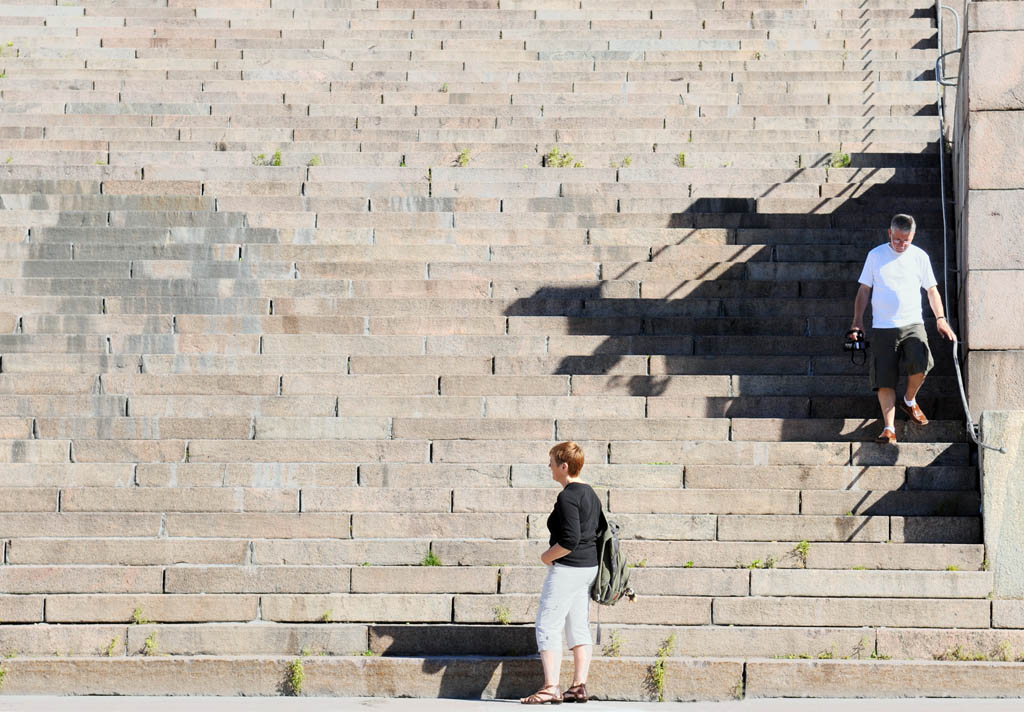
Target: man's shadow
(781,309)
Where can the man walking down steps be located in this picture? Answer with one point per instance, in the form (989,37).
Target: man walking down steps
(893,276)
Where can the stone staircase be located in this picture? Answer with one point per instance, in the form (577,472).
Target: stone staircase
(298,294)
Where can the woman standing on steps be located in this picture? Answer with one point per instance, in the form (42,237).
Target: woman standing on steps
(572,566)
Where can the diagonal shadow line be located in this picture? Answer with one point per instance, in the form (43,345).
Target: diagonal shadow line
(855,532)
(863,470)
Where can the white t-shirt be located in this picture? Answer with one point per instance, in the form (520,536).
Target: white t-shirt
(896,280)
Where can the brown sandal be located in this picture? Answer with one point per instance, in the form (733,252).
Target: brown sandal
(576,693)
(545,695)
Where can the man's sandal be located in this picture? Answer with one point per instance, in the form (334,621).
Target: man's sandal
(576,693)
(544,696)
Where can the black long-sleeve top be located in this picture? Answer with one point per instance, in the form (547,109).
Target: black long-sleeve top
(573,524)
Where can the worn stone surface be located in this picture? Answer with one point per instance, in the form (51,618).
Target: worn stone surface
(250,639)
(891,678)
(995,380)
(995,163)
(994,223)
(920,644)
(884,584)
(994,322)
(1007,613)
(1002,497)
(1001,90)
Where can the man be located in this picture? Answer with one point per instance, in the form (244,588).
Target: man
(892,279)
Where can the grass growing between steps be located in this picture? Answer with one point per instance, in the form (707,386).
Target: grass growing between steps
(655,682)
(1001,653)
(295,676)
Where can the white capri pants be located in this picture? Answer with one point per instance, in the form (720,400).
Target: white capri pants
(565,603)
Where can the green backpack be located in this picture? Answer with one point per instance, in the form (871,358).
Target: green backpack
(612,581)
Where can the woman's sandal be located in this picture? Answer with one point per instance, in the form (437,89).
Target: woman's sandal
(545,695)
(576,693)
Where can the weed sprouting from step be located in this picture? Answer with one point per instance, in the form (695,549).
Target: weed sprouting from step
(138,618)
(624,163)
(555,158)
(294,678)
(802,550)
(314,161)
(859,568)
(768,563)
(960,655)
(642,564)
(9,159)
(1004,652)
(613,648)
(112,646)
(875,655)
(952,567)
(430,559)
(740,690)
(688,564)
(3,676)
(840,160)
(368,653)
(464,157)
(151,644)
(327,616)
(503,615)
(655,681)
(986,565)
(681,160)
(444,88)
(366,563)
(260,159)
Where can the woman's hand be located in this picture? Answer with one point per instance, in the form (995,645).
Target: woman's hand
(554,553)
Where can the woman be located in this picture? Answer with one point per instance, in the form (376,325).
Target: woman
(572,567)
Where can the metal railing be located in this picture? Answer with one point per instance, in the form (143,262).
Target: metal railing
(941,81)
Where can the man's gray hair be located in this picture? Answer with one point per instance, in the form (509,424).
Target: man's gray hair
(903,223)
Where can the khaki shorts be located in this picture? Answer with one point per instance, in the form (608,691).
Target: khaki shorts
(900,350)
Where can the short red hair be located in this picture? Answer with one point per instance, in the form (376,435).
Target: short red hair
(568,453)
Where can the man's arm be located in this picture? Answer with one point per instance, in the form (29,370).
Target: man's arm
(941,322)
(859,305)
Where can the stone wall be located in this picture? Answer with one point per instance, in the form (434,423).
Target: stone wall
(988,173)
(988,169)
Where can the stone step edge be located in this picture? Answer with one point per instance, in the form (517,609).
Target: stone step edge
(628,679)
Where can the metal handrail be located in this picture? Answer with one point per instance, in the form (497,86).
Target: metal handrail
(939,66)
(973,430)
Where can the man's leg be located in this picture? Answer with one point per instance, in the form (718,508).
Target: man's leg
(887,400)
(884,374)
(914,382)
(916,360)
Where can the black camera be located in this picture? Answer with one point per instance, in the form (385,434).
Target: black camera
(855,343)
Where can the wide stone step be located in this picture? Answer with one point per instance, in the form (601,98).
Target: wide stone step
(341,639)
(626,678)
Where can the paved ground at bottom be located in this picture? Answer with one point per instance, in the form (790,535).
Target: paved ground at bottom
(334,704)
